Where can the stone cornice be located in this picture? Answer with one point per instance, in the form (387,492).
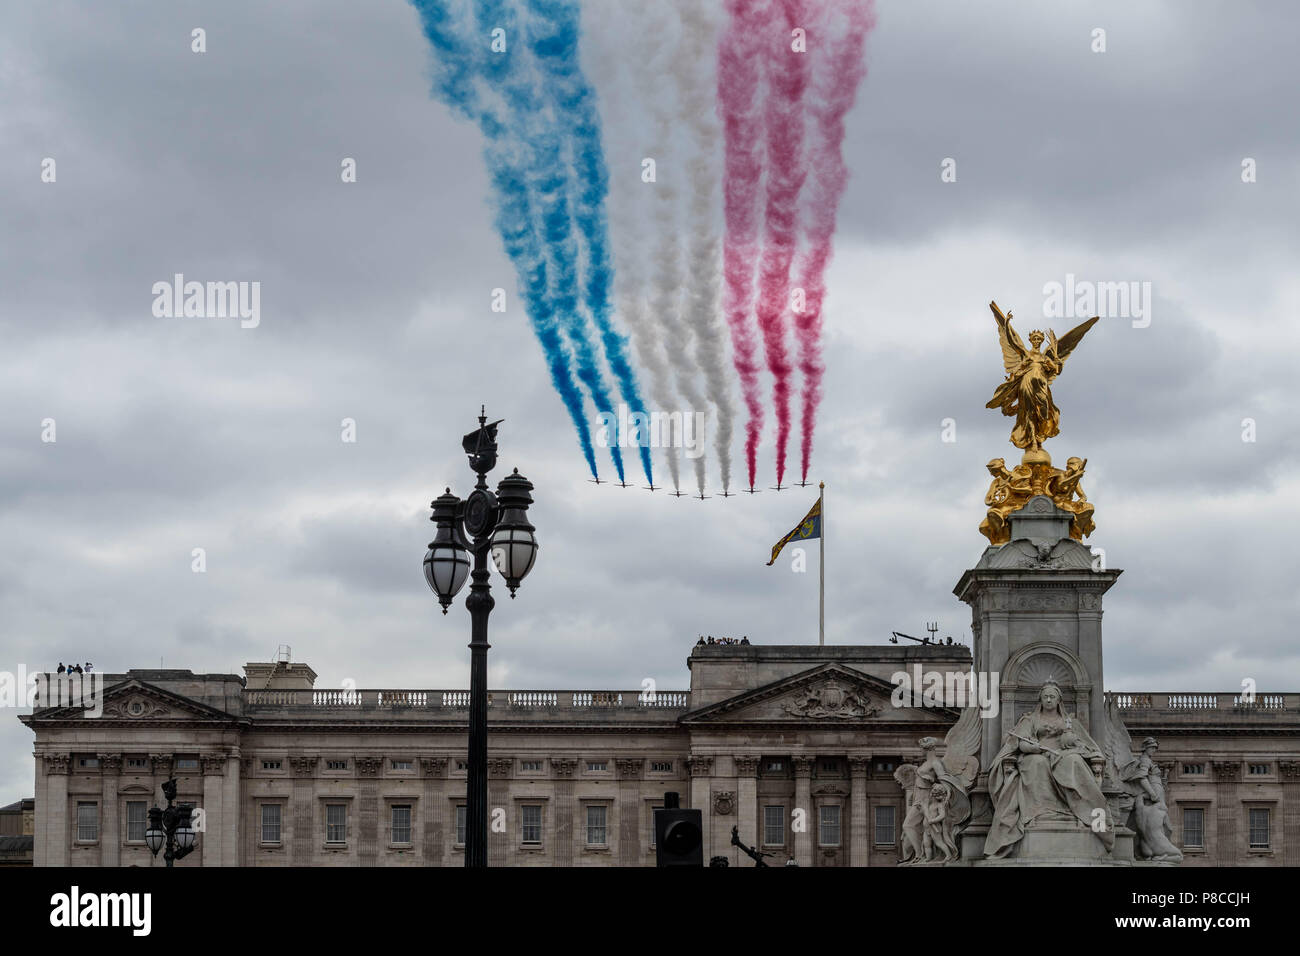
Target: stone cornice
(563,766)
(304,766)
(746,765)
(57,763)
(368,766)
(214,764)
(434,766)
(500,767)
(629,768)
(110,763)
(699,766)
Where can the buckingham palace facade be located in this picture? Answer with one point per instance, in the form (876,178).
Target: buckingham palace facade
(795,746)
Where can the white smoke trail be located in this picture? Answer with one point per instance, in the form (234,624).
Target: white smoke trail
(696,103)
(628,196)
(660,50)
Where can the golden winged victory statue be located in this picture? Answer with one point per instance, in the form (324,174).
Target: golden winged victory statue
(1026,395)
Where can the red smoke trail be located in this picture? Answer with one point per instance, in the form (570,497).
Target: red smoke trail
(783,116)
(843,31)
(738,77)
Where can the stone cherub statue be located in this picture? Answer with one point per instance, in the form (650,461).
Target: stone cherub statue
(938,793)
(1143,806)
(1049,768)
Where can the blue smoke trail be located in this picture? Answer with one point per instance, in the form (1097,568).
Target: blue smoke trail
(541,139)
(460,57)
(574,102)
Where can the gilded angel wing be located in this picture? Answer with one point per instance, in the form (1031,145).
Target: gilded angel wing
(1061,348)
(1013,347)
(962,746)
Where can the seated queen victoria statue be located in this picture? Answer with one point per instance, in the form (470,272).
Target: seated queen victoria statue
(1048,769)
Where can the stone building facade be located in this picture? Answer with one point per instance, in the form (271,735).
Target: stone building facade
(794,746)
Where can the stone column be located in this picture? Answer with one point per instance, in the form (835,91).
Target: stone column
(1288,771)
(803,842)
(501,845)
(368,810)
(629,811)
(110,835)
(701,769)
(859,825)
(233,821)
(58,837)
(434,811)
(747,800)
(212,843)
(1228,843)
(562,768)
(302,810)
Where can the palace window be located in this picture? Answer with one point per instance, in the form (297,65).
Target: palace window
(137,763)
(336,823)
(88,763)
(336,765)
(402,765)
(136,811)
(1259,769)
(830,766)
(270,823)
(885,766)
(774,826)
(596,835)
(271,764)
(1259,826)
(1193,769)
(460,824)
(830,826)
(462,766)
(885,826)
(187,763)
(87,822)
(774,766)
(597,766)
(531,824)
(1194,827)
(661,766)
(530,766)
(401,831)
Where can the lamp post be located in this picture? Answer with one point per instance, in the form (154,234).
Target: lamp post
(480,525)
(170,827)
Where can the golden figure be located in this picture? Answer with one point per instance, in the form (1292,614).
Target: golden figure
(1027,393)
(1008,492)
(1066,491)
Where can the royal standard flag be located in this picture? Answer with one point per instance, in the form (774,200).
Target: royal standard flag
(809,527)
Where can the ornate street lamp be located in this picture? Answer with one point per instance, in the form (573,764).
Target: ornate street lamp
(170,827)
(480,525)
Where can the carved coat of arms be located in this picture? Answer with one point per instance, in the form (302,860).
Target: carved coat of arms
(831,699)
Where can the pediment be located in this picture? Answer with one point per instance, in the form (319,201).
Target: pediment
(137,701)
(830,693)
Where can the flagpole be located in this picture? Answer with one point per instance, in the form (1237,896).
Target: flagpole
(821,568)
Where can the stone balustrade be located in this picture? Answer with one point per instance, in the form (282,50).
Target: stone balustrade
(1193,703)
(450,700)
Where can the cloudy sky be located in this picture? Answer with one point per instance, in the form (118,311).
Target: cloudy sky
(174,434)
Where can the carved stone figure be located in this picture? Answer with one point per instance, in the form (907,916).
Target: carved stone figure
(1142,808)
(1049,769)
(938,793)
